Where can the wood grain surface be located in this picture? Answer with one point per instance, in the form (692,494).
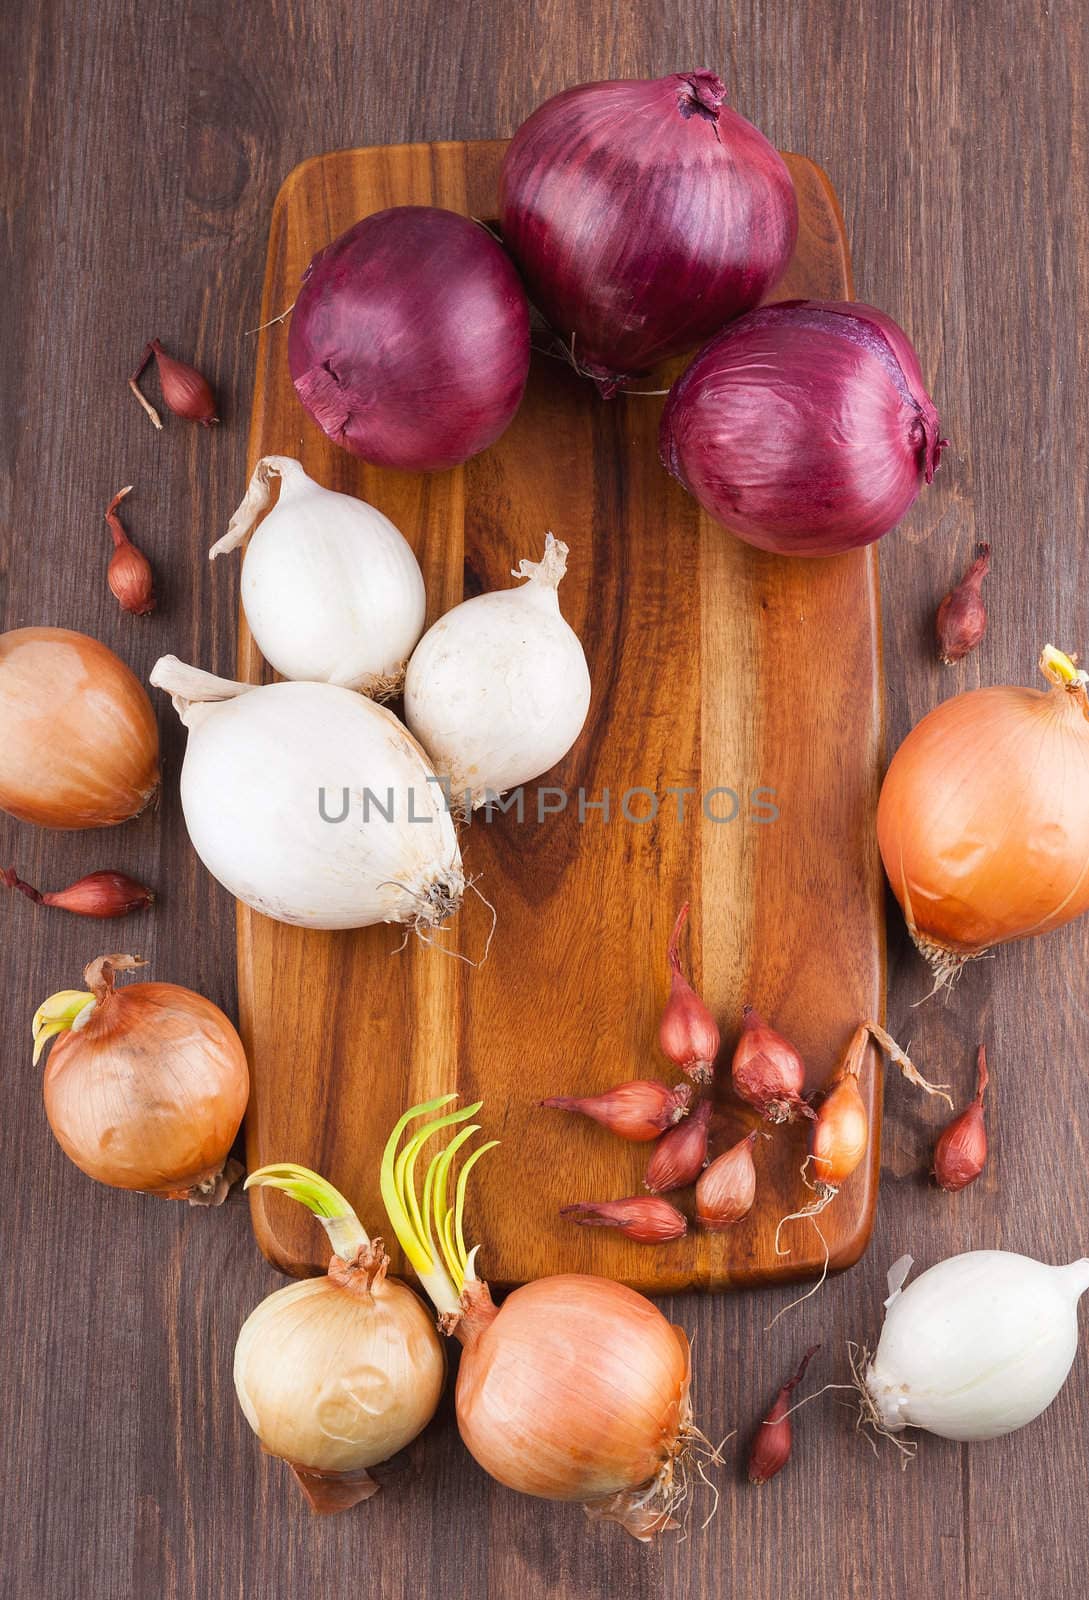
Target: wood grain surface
(686,633)
(142,149)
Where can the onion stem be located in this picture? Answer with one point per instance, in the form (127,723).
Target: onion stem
(1057,666)
(347,1234)
(60,1012)
(432,1232)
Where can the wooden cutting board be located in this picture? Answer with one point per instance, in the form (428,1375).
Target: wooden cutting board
(714,668)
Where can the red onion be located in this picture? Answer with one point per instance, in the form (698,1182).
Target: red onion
(644,214)
(805,428)
(409,340)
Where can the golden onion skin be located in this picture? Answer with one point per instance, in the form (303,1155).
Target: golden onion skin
(577,1389)
(336,1379)
(150,1092)
(79,747)
(983,820)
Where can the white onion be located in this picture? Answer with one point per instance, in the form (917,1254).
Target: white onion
(977,1346)
(331,590)
(257,761)
(498,689)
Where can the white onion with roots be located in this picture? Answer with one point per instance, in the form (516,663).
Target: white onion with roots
(257,760)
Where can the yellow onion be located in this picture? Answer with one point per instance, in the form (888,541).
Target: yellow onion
(983,820)
(147,1086)
(336,1374)
(575,1388)
(78,743)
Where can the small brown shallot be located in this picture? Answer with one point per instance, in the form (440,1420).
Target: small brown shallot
(99,894)
(961,1152)
(962,616)
(687,1033)
(681,1154)
(767,1072)
(773,1439)
(644,1218)
(186,392)
(129,572)
(727,1188)
(639,1110)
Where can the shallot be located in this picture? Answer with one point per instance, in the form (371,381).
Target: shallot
(99,894)
(962,615)
(726,1190)
(961,1152)
(774,1438)
(644,1218)
(687,1033)
(681,1153)
(639,1110)
(767,1072)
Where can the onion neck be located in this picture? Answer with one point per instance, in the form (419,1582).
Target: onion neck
(702,95)
(1076,1277)
(70,1010)
(1065,676)
(476,1312)
(544,575)
(193,693)
(258,497)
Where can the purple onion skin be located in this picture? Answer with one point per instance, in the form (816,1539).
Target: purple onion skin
(409,341)
(644,214)
(804,428)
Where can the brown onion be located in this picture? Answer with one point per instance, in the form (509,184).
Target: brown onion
(983,820)
(576,1388)
(147,1086)
(78,743)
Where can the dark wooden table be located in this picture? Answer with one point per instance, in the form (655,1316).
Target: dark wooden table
(142,147)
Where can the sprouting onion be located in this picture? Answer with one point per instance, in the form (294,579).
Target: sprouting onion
(575,1388)
(336,1374)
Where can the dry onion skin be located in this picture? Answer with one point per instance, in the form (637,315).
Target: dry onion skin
(983,820)
(575,1388)
(336,1374)
(146,1086)
(78,743)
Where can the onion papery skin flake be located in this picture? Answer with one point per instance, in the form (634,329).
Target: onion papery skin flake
(409,339)
(804,428)
(643,214)
(983,820)
(79,747)
(577,1389)
(370,1363)
(251,790)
